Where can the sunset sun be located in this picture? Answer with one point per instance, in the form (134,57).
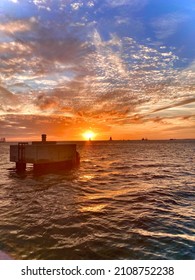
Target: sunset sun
(88,135)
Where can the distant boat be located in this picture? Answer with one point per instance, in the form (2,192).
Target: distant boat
(144,139)
(2,140)
(110,138)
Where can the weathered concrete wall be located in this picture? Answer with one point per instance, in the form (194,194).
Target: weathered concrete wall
(14,153)
(44,153)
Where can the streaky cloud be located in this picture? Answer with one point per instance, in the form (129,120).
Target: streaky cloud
(181,103)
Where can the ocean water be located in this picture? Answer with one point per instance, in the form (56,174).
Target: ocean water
(126,200)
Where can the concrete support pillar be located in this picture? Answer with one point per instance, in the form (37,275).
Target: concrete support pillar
(20,166)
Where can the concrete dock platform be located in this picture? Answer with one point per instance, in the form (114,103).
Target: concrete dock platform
(44,155)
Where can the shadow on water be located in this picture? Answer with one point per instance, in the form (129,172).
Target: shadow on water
(31,173)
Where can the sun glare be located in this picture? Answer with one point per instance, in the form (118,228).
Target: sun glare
(89,135)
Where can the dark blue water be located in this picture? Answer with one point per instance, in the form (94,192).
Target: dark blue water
(127,200)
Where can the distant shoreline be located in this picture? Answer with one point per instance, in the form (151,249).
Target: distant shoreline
(116,140)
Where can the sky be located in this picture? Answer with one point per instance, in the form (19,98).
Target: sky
(119,68)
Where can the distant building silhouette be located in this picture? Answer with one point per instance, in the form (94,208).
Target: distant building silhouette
(2,140)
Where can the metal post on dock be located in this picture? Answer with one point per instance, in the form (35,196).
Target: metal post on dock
(44,138)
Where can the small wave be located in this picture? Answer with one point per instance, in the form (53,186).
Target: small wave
(162,177)
(164,234)
(122,167)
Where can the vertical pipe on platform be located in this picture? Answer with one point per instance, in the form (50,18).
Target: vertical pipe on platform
(44,138)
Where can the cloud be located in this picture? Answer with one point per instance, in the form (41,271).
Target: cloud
(89,73)
(15,26)
(102,77)
(50,51)
(181,103)
(42,4)
(132,70)
(14,48)
(61,5)
(9,102)
(168,24)
(76,5)
(14,1)
(45,102)
(33,126)
(117,71)
(133,3)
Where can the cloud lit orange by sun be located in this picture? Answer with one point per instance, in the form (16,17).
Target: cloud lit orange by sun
(91,76)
